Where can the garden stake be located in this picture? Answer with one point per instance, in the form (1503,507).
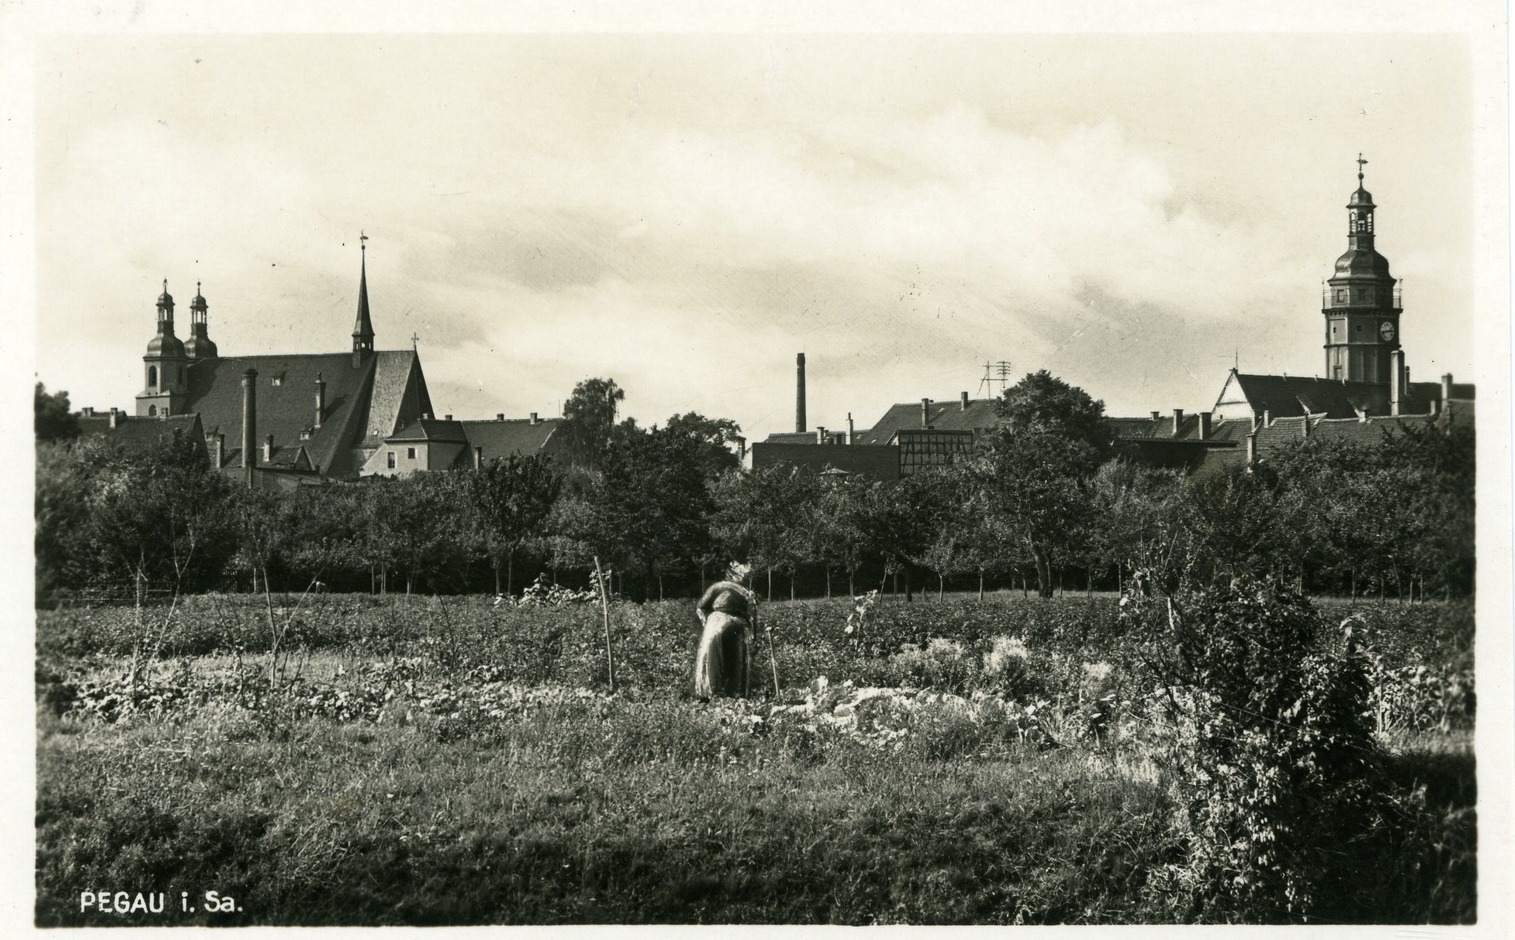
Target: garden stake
(599,579)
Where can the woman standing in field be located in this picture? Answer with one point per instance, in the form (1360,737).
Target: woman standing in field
(721,666)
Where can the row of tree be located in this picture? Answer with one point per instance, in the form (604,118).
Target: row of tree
(1045,495)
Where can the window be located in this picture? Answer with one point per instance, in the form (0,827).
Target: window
(391,456)
(410,453)
(278,380)
(152,411)
(152,376)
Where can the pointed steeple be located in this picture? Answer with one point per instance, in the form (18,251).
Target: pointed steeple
(362,331)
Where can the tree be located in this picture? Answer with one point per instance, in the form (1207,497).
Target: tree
(761,518)
(512,500)
(714,439)
(1137,521)
(588,420)
(1044,403)
(648,509)
(53,418)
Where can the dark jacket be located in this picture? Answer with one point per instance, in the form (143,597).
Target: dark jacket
(726,597)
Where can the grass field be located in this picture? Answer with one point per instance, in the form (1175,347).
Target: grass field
(451,762)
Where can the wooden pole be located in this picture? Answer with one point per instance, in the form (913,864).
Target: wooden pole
(599,579)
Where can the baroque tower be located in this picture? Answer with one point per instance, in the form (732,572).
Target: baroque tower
(199,345)
(166,367)
(1361,301)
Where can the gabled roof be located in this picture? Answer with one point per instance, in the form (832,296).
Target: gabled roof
(520,436)
(1161,429)
(1291,396)
(139,433)
(1288,432)
(430,430)
(948,415)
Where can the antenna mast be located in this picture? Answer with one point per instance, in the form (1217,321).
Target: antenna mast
(995,372)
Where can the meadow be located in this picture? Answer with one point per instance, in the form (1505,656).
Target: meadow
(351,759)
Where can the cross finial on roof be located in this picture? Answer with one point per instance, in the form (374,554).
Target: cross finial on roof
(414,339)
(1360,164)
(363,239)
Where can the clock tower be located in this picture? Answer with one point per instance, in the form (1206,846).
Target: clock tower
(1361,301)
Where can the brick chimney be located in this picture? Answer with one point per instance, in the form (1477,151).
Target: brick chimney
(115,418)
(1446,388)
(799,394)
(478,458)
(268,449)
(249,421)
(964,401)
(1205,418)
(500,416)
(535,419)
(320,401)
(925,412)
(1157,415)
(849,429)
(217,450)
(1178,421)
(820,435)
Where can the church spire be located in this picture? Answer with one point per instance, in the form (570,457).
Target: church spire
(362,331)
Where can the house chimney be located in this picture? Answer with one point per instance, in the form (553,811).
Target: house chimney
(249,421)
(1178,420)
(799,394)
(1396,380)
(741,447)
(115,418)
(1204,425)
(268,449)
(849,429)
(534,419)
(217,450)
(925,412)
(964,400)
(1156,415)
(320,400)
(1446,387)
(447,417)
(87,411)
(1251,449)
(1304,425)
(478,458)
(1267,418)
(500,416)
(425,416)
(820,435)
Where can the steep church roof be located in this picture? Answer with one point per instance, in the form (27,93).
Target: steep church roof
(520,436)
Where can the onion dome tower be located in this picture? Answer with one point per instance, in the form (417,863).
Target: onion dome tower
(199,345)
(1361,302)
(165,366)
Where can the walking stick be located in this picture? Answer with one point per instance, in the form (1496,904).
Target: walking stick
(773,662)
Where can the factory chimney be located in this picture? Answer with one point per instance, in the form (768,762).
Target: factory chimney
(799,394)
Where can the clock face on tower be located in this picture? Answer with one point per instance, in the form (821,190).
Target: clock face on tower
(1386,331)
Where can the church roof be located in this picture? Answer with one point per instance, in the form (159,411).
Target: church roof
(371,394)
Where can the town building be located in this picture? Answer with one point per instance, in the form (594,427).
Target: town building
(1366,391)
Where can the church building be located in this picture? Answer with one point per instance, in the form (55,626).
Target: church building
(282,420)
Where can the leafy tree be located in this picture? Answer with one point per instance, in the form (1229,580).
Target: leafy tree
(64,477)
(761,518)
(512,500)
(589,419)
(1137,521)
(648,509)
(54,420)
(1044,403)
(714,438)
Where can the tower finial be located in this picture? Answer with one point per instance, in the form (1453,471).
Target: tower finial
(363,239)
(1360,164)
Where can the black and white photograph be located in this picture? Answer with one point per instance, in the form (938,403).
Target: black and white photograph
(767,466)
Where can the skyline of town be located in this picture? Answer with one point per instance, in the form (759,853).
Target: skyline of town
(685,214)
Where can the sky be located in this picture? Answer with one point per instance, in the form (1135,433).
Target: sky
(684,213)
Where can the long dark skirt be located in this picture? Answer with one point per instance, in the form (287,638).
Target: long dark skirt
(720,667)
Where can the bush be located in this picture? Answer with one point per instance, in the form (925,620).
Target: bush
(1271,754)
